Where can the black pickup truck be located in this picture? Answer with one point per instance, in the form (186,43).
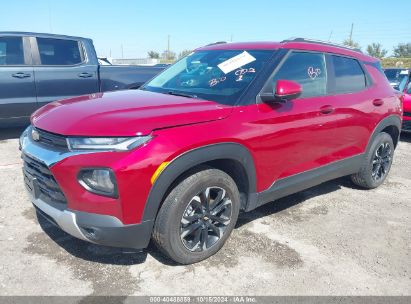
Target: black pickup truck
(36,69)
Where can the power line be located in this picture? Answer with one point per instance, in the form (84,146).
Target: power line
(50,24)
(168,46)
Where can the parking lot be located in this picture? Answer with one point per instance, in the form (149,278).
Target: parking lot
(333,239)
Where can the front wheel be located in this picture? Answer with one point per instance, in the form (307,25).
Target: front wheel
(377,164)
(197,216)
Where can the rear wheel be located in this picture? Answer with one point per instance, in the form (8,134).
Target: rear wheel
(197,216)
(377,163)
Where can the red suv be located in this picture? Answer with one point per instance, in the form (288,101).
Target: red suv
(226,129)
(405,88)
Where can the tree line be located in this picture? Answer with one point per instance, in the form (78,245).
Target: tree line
(168,55)
(375,49)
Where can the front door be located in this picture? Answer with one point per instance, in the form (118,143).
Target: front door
(300,134)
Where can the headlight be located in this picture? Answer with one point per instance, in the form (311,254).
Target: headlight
(99,181)
(106,143)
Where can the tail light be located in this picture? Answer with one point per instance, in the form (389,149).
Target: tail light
(401,97)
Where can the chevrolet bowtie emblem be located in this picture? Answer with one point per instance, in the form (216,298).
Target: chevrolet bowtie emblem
(35,135)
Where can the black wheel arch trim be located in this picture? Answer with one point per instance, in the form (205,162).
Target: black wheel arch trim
(192,158)
(389,121)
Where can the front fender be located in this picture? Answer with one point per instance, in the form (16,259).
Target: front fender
(192,158)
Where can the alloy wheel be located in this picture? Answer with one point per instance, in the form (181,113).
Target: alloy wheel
(205,219)
(381,161)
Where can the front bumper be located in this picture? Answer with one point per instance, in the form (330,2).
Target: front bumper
(54,204)
(95,228)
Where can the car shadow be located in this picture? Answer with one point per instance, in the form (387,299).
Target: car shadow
(11,133)
(99,253)
(91,252)
(122,256)
(293,200)
(406,137)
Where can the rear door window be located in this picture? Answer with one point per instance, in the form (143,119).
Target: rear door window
(11,51)
(349,76)
(59,51)
(306,68)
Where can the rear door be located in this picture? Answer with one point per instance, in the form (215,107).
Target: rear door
(17,87)
(62,69)
(352,100)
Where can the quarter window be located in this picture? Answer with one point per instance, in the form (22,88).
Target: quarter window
(349,76)
(403,83)
(11,51)
(308,69)
(59,51)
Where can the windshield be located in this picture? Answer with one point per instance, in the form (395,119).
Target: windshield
(217,75)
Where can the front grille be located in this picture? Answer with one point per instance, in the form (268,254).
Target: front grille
(408,114)
(406,125)
(49,190)
(51,139)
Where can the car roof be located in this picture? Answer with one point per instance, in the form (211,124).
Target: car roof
(42,35)
(292,44)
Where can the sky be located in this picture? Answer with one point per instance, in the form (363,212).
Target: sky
(131,28)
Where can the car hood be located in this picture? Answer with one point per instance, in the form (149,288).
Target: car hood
(124,113)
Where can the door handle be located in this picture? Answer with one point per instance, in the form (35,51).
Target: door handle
(326,109)
(21,75)
(85,75)
(378,102)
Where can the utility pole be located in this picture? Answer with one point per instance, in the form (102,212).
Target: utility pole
(168,47)
(329,37)
(352,28)
(122,52)
(50,24)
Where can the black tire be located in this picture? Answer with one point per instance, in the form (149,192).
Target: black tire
(377,164)
(171,229)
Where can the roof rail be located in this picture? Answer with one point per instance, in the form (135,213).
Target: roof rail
(323,43)
(218,42)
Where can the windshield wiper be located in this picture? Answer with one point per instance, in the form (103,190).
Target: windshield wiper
(182,94)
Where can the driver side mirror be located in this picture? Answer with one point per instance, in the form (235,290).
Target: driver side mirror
(285,90)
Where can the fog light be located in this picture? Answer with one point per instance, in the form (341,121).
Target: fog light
(89,233)
(99,181)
